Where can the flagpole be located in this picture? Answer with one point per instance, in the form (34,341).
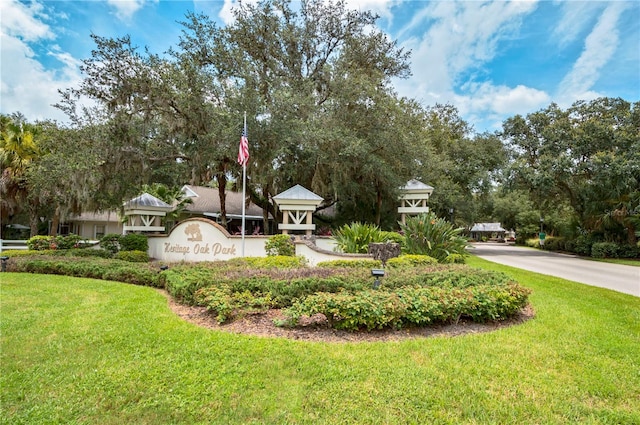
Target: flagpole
(244,185)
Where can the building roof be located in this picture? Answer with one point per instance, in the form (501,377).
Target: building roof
(147,201)
(298,192)
(95,216)
(414,184)
(487,227)
(206,201)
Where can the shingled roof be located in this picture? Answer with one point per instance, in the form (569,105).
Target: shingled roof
(206,201)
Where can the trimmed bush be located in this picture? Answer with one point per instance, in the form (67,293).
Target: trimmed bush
(95,268)
(604,250)
(110,242)
(352,264)
(372,309)
(411,260)
(133,242)
(280,245)
(39,243)
(276,261)
(133,256)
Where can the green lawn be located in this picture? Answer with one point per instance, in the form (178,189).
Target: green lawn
(87,351)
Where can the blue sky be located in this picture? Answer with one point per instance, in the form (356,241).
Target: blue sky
(490,59)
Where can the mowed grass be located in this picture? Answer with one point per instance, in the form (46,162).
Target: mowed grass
(86,351)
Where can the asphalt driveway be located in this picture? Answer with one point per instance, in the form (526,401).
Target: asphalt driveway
(617,277)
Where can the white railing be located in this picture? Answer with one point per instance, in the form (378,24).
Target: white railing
(6,244)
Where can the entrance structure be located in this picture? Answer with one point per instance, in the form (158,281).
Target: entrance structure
(297,204)
(414,197)
(144,214)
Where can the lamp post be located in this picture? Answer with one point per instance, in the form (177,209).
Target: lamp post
(451,211)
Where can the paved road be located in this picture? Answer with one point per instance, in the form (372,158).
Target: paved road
(618,277)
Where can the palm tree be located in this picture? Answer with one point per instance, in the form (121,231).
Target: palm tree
(18,148)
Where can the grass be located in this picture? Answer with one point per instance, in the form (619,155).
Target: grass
(623,261)
(78,351)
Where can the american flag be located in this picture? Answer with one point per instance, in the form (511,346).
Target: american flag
(243,150)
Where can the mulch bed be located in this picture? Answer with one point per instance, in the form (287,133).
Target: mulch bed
(316,328)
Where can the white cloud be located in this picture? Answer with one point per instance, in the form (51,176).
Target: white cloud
(226,13)
(380,7)
(26,86)
(125,9)
(461,38)
(599,48)
(21,20)
(576,16)
(502,100)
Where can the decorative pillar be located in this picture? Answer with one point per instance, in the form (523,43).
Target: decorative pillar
(298,204)
(413,198)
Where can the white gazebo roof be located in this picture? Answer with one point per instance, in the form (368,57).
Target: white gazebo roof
(487,227)
(147,202)
(416,185)
(298,193)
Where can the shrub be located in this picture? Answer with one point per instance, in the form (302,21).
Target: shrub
(372,309)
(411,260)
(355,238)
(454,259)
(354,264)
(280,245)
(554,243)
(226,304)
(39,242)
(276,261)
(427,234)
(96,268)
(110,242)
(133,256)
(133,242)
(394,237)
(88,252)
(604,250)
(583,245)
(629,251)
(67,242)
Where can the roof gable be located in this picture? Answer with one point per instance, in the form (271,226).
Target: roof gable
(298,192)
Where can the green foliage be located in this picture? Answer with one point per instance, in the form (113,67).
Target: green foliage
(455,259)
(133,242)
(110,242)
(427,234)
(413,306)
(280,245)
(411,260)
(275,261)
(39,242)
(96,268)
(355,238)
(604,250)
(133,256)
(393,237)
(361,263)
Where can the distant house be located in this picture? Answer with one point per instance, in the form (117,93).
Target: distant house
(488,231)
(205,202)
(92,225)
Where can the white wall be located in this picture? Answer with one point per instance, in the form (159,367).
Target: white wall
(200,239)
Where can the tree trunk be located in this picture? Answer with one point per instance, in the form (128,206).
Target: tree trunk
(33,217)
(221,177)
(378,207)
(55,223)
